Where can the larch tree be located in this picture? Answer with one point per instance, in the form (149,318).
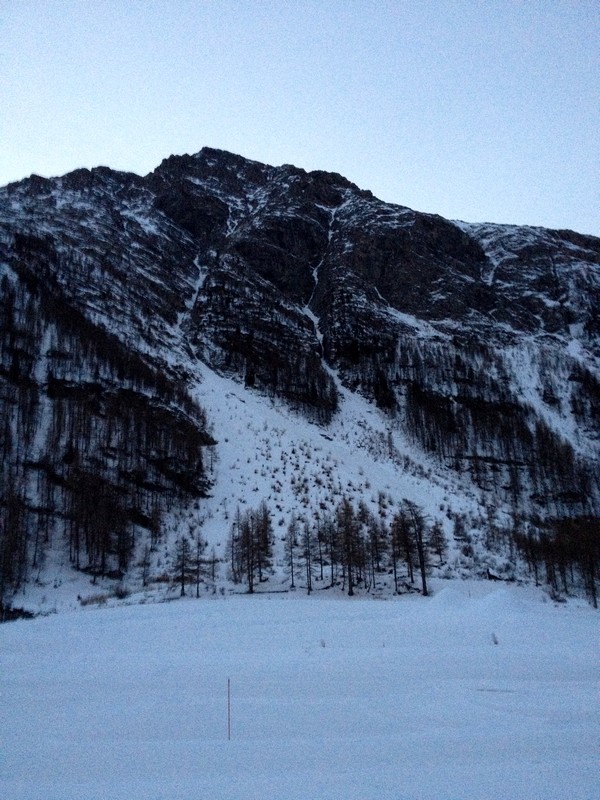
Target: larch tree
(182,563)
(437,540)
(291,543)
(419,533)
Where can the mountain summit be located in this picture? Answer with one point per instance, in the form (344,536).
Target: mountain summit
(474,349)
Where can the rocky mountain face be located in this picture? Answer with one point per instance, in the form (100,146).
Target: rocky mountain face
(481,341)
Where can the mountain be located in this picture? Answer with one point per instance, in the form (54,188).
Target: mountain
(451,365)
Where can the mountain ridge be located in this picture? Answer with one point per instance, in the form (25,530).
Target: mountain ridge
(478,343)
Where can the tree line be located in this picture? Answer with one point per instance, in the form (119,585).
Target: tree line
(350,548)
(565,554)
(456,400)
(96,443)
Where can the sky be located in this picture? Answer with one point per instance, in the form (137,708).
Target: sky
(480,110)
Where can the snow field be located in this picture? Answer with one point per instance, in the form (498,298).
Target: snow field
(479,692)
(267,452)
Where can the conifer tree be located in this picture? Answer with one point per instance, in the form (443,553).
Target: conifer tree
(419,532)
(291,543)
(437,540)
(182,563)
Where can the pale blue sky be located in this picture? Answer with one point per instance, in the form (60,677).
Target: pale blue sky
(474,110)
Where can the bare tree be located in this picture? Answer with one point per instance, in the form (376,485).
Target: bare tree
(437,540)
(182,563)
(250,545)
(403,543)
(198,562)
(307,555)
(347,527)
(291,543)
(419,531)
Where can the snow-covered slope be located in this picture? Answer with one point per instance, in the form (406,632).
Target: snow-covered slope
(179,349)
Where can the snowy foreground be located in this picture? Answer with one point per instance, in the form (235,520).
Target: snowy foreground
(477,693)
